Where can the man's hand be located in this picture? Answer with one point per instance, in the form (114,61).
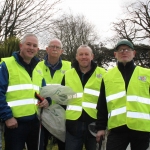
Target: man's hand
(44,104)
(11,123)
(100,134)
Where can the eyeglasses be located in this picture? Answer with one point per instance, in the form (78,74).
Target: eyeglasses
(53,47)
(124,50)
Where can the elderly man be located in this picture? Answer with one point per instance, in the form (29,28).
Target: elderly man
(54,69)
(123,105)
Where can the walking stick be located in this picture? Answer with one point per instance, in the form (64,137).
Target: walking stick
(100,143)
(40,100)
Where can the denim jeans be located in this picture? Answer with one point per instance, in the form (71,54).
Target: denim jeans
(81,137)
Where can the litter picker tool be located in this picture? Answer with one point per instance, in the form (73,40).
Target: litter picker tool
(93,131)
(40,99)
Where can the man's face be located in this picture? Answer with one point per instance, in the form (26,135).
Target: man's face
(124,54)
(29,48)
(84,57)
(54,50)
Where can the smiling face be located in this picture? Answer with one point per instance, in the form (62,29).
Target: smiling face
(29,48)
(124,54)
(84,56)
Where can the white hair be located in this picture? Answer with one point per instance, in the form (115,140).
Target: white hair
(27,35)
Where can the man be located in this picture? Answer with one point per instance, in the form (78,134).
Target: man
(20,78)
(84,79)
(123,105)
(54,68)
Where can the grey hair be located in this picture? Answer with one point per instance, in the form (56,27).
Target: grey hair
(85,46)
(56,39)
(27,35)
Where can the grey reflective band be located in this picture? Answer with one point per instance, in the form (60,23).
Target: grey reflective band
(116,112)
(91,92)
(138,115)
(115,96)
(22,102)
(139,99)
(22,87)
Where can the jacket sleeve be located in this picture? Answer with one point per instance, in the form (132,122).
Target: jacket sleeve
(102,113)
(5,110)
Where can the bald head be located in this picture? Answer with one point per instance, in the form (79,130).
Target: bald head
(57,41)
(84,47)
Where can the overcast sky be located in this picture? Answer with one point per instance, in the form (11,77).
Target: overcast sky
(99,12)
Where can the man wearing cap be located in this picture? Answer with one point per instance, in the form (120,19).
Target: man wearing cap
(124,102)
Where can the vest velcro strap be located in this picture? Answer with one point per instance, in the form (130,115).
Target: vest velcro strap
(138,115)
(22,102)
(73,107)
(92,92)
(117,111)
(89,105)
(22,87)
(115,96)
(77,95)
(138,99)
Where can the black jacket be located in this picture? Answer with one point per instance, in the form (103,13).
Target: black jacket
(102,114)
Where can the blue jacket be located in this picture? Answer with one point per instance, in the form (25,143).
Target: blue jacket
(5,110)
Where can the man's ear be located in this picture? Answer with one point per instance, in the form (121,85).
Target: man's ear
(20,46)
(62,51)
(115,54)
(47,49)
(134,53)
(93,56)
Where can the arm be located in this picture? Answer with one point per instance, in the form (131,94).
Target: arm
(5,111)
(46,102)
(102,113)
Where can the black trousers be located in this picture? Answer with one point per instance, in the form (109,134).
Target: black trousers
(119,140)
(26,132)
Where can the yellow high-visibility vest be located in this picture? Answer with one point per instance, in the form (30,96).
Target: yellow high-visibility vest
(21,88)
(85,98)
(131,107)
(57,78)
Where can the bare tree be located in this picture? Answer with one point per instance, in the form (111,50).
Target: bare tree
(136,24)
(20,16)
(73,31)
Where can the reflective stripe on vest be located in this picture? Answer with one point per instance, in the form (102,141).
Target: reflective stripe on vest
(22,87)
(92,92)
(115,96)
(118,111)
(22,102)
(79,108)
(138,99)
